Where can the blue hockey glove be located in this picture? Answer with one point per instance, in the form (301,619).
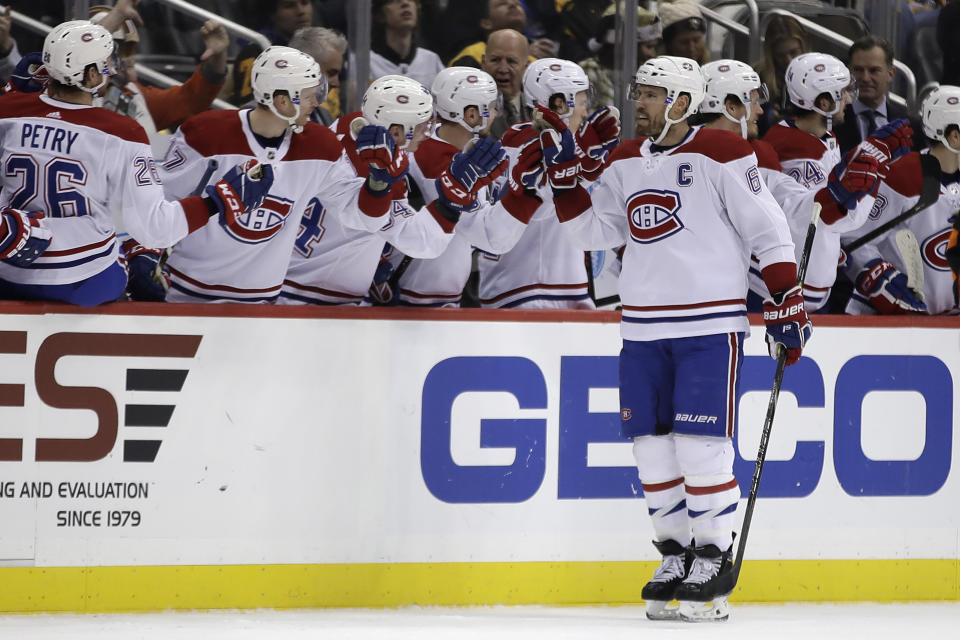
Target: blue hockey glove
(887,290)
(24,236)
(787,324)
(527,172)
(469,172)
(25,76)
(241,189)
(147,279)
(387,163)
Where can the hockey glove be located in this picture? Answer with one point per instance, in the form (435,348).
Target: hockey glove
(787,324)
(894,140)
(886,289)
(469,172)
(489,160)
(597,137)
(147,278)
(527,172)
(559,153)
(24,236)
(240,190)
(854,177)
(29,76)
(388,163)
(380,290)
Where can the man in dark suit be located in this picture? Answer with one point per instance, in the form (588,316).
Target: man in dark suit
(871,63)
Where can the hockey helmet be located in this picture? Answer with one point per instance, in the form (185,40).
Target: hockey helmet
(675,74)
(730,78)
(72,46)
(940,109)
(810,75)
(287,69)
(547,77)
(393,99)
(456,88)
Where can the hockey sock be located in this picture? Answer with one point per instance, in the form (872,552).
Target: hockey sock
(662,487)
(711,489)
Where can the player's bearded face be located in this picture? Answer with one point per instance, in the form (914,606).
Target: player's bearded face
(651,110)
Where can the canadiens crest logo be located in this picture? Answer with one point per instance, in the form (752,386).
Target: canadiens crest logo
(934,250)
(625,414)
(263,223)
(281,64)
(953,100)
(555,67)
(653,215)
(723,68)
(402,99)
(472,79)
(87,37)
(820,68)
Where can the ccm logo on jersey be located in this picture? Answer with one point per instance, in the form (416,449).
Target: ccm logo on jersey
(934,250)
(653,215)
(263,223)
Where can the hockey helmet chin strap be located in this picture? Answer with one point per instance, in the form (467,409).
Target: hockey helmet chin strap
(668,122)
(291,120)
(742,121)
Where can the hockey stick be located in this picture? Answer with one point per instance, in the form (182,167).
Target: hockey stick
(772,407)
(913,262)
(929,193)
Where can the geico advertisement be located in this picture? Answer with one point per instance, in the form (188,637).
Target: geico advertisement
(202,440)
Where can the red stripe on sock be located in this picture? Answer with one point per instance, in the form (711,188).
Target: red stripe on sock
(717,488)
(663,486)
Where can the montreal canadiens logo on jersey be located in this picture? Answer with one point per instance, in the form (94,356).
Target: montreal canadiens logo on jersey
(263,223)
(934,250)
(653,215)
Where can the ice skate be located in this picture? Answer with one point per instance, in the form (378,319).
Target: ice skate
(659,592)
(703,593)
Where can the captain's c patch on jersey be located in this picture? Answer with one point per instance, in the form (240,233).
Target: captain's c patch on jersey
(653,215)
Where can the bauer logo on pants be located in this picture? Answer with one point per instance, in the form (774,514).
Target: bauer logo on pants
(653,215)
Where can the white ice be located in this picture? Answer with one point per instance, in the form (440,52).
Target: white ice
(764,622)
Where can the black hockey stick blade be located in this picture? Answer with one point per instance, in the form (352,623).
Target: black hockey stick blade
(772,407)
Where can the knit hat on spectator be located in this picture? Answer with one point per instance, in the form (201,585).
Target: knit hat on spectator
(679,17)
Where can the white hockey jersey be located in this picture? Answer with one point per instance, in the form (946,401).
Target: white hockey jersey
(83,167)
(809,160)
(217,265)
(898,193)
(546,269)
(491,226)
(333,263)
(690,215)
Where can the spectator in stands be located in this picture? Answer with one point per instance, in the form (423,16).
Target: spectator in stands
(327,47)
(394,49)
(494,15)
(505,59)
(154,108)
(281,18)
(948,26)
(599,66)
(871,63)
(9,56)
(684,30)
(784,40)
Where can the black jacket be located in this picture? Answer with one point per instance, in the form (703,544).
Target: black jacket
(848,133)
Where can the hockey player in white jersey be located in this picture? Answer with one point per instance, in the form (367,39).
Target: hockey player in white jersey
(691,207)
(546,269)
(466,100)
(334,264)
(819,86)
(79,165)
(880,268)
(732,102)
(246,261)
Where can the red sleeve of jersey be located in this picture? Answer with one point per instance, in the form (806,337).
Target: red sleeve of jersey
(196,211)
(791,144)
(906,175)
(779,276)
(521,206)
(572,203)
(433,156)
(766,156)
